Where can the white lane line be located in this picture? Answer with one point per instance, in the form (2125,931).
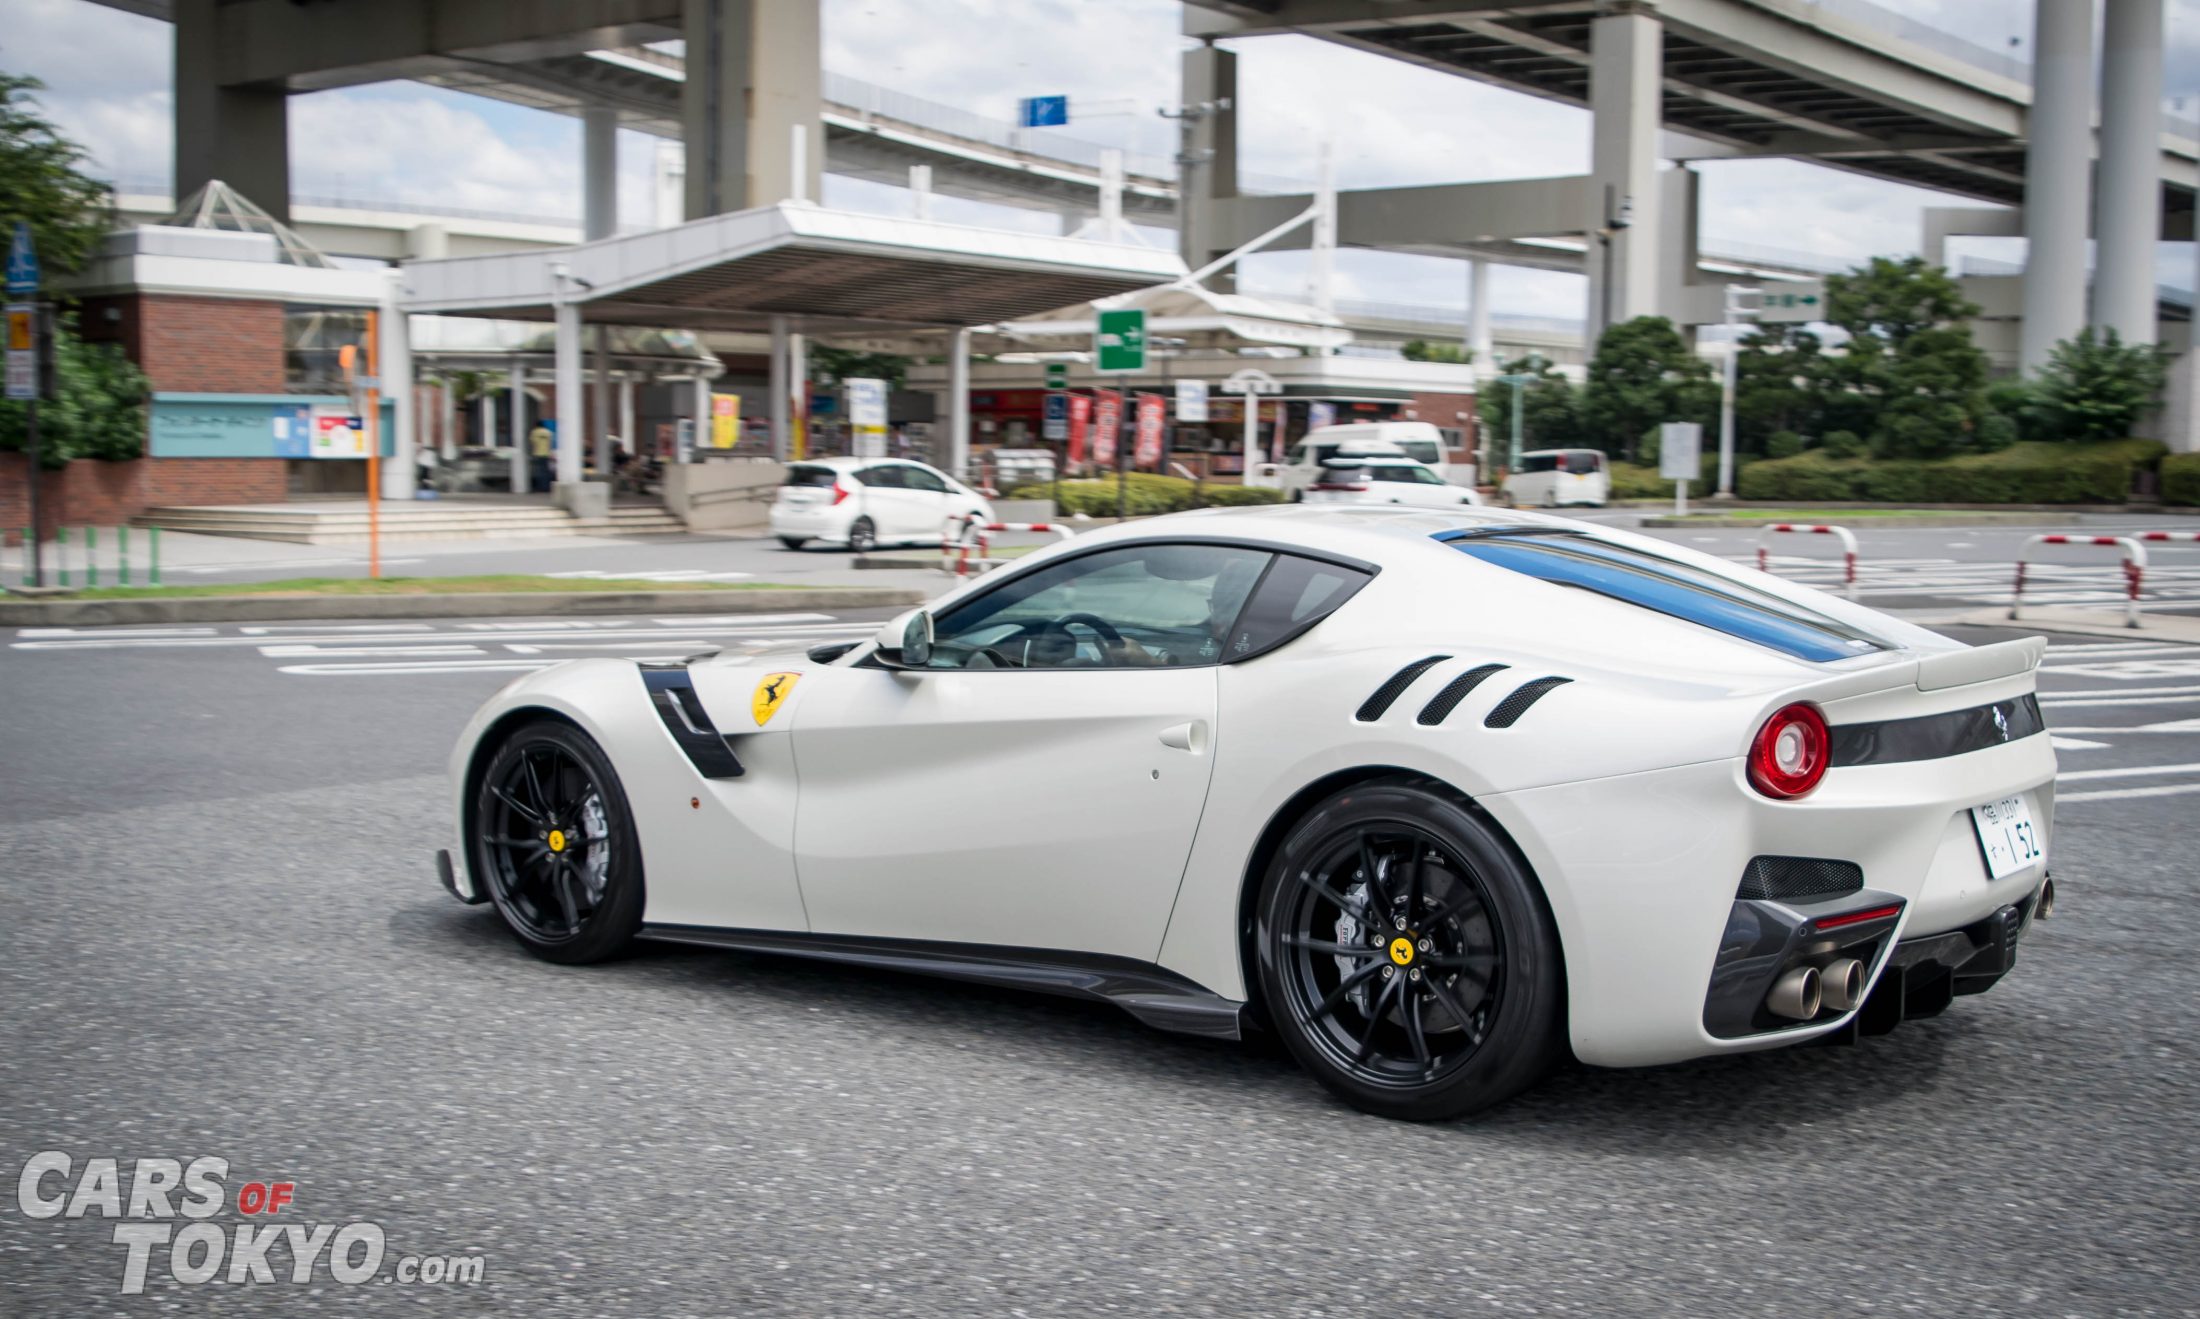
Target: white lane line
(2105,693)
(2173,726)
(2113,794)
(287,629)
(546,634)
(2090,703)
(302,651)
(541,646)
(57,632)
(2073,743)
(399,668)
(2127,772)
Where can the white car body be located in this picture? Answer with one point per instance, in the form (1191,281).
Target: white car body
(1554,478)
(1100,830)
(1386,481)
(903,502)
(1304,464)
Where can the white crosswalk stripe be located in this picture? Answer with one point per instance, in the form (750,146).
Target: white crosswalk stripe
(1989,583)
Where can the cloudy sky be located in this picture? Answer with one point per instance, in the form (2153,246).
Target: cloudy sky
(108,79)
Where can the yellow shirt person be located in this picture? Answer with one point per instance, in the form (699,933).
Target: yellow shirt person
(538,441)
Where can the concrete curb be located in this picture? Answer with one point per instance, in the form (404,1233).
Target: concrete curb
(517,604)
(1947,522)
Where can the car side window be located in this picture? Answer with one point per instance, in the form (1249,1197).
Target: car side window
(1140,606)
(888,478)
(1295,594)
(918,478)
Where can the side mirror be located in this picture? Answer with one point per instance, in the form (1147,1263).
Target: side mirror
(905,642)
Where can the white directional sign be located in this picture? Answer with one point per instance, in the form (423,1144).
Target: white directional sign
(1794,303)
(22,338)
(1191,400)
(867,416)
(1680,450)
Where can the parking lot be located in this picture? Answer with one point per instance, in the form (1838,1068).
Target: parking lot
(225,939)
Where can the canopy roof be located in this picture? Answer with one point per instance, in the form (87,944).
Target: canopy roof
(825,270)
(219,206)
(1206,320)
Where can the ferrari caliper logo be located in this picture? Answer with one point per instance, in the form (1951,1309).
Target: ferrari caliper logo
(1401,951)
(771,693)
(556,840)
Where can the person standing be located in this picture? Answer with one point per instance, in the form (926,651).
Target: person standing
(539,441)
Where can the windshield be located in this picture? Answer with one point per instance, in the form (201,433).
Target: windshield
(1666,586)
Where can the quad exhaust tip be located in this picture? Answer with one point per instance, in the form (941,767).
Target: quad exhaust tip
(1841,984)
(2046,905)
(1796,995)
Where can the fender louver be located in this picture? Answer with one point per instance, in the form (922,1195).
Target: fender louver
(1394,687)
(1510,709)
(672,693)
(1444,702)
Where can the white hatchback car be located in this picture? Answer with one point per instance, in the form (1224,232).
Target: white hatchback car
(1386,481)
(863,503)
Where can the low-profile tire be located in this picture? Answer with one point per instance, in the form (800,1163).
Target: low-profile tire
(554,844)
(862,536)
(1433,990)
(794,542)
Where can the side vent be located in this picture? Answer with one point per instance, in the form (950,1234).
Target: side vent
(1394,687)
(1792,878)
(672,694)
(1444,702)
(1510,709)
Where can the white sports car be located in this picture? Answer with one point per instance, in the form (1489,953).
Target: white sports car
(1433,796)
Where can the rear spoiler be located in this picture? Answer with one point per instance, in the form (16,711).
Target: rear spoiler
(1933,671)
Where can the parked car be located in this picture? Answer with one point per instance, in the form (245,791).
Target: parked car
(1386,481)
(867,502)
(1302,464)
(1437,797)
(1550,478)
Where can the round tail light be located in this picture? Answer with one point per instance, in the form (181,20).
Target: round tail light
(1789,755)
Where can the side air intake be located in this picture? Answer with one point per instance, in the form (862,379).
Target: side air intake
(1510,709)
(1798,878)
(1444,702)
(1394,687)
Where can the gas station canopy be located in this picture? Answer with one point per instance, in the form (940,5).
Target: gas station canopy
(825,271)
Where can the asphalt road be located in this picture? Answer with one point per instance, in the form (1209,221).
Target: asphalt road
(223,939)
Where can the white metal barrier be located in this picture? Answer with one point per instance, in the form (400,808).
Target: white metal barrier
(960,535)
(1848,549)
(2135,564)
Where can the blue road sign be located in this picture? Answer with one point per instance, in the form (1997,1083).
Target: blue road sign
(1044,111)
(22,262)
(1054,423)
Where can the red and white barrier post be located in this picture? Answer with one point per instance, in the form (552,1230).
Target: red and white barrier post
(1848,549)
(962,534)
(2134,557)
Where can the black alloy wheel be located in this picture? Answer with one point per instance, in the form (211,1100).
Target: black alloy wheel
(862,536)
(1407,957)
(555,843)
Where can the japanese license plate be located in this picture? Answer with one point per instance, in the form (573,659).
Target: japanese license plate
(2007,836)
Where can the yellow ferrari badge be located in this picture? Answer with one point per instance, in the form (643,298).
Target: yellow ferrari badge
(556,840)
(771,693)
(1401,951)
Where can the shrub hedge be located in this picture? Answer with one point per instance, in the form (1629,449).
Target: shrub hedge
(2026,473)
(1148,494)
(2181,478)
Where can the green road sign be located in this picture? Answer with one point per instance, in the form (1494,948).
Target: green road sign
(1120,343)
(1057,375)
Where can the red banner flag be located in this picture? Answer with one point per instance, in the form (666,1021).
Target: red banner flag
(1080,417)
(1152,414)
(1107,422)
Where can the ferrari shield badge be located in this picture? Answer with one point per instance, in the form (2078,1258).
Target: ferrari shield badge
(771,693)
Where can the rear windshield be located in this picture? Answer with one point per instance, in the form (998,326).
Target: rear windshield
(803,474)
(1539,462)
(1668,587)
(1583,462)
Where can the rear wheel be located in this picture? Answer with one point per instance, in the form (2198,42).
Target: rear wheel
(862,536)
(555,843)
(794,542)
(1406,955)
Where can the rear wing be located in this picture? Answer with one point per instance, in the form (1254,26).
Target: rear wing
(1932,671)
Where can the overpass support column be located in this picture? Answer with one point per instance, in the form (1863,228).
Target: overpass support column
(1625,92)
(782,396)
(2128,198)
(599,172)
(394,364)
(1210,101)
(567,391)
(753,77)
(240,135)
(2059,129)
(1484,356)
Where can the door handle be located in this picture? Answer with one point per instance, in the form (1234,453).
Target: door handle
(1186,737)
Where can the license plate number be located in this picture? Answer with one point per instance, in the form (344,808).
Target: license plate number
(2007,836)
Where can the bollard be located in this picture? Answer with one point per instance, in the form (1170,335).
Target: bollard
(1848,549)
(61,553)
(122,554)
(28,548)
(91,556)
(2134,568)
(152,536)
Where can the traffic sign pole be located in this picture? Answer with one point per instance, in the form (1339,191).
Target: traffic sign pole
(28,336)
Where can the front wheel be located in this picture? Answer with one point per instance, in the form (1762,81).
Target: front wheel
(555,843)
(1407,957)
(862,536)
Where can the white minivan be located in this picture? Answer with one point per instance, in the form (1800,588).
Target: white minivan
(1302,465)
(1549,478)
(863,503)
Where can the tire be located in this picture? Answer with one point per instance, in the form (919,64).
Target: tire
(1478,1045)
(548,801)
(794,542)
(1298,497)
(862,536)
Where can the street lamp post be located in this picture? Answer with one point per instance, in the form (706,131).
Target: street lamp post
(1737,309)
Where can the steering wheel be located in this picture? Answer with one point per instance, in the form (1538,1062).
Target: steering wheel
(1105,629)
(1033,631)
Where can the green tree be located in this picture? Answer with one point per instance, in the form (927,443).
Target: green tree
(1550,408)
(830,366)
(2096,387)
(41,181)
(1643,373)
(1909,379)
(1424,350)
(1891,300)
(1779,385)
(101,409)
